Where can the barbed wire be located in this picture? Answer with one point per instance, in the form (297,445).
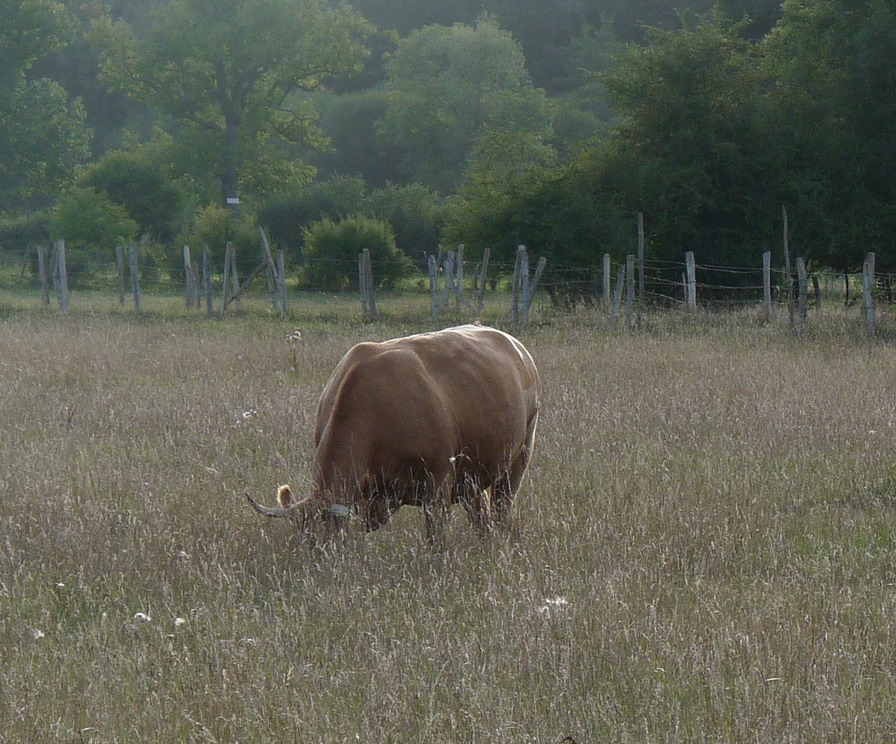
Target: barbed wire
(570,277)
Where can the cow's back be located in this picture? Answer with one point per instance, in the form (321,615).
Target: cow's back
(465,395)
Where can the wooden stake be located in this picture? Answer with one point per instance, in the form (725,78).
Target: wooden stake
(63,276)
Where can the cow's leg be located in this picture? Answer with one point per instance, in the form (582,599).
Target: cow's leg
(508,484)
(436,502)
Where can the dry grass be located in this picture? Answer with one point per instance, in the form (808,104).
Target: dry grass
(706,549)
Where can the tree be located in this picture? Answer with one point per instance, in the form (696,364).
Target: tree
(45,136)
(332,248)
(447,87)
(286,217)
(133,179)
(230,72)
(416,215)
(694,132)
(834,104)
(91,226)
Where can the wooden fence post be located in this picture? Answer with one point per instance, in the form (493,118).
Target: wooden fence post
(486,254)
(532,287)
(691,271)
(119,268)
(63,276)
(788,275)
(207,279)
(371,287)
(448,266)
(234,274)
(767,285)
(617,295)
(459,278)
(802,278)
(608,280)
(868,289)
(362,284)
(281,280)
(366,287)
(135,276)
(42,274)
(515,287)
(192,297)
(272,273)
(228,260)
(434,287)
(640,266)
(629,288)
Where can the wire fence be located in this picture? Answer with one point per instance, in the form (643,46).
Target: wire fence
(662,283)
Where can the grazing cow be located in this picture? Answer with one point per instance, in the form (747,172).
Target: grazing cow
(429,420)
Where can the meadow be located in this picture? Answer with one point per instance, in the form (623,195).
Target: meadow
(705,549)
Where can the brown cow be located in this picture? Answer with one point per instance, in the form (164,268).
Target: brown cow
(429,420)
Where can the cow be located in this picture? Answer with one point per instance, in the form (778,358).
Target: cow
(429,420)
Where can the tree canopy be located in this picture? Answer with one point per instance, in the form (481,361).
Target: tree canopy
(483,123)
(229,73)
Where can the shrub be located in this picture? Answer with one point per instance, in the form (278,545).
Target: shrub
(332,248)
(286,217)
(91,226)
(215,226)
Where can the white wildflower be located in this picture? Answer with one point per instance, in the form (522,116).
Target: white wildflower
(553,604)
(142,617)
(37,634)
(178,621)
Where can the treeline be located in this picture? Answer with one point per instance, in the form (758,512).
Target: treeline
(399,126)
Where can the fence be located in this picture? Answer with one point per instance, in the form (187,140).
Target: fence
(622,289)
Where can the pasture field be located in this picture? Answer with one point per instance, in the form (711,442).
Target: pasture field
(705,550)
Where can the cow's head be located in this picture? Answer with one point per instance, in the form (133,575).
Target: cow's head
(305,513)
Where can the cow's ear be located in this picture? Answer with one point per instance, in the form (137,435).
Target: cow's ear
(284,496)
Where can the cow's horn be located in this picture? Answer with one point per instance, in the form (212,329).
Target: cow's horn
(268,511)
(339,510)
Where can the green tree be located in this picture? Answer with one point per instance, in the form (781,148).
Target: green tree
(834,102)
(134,180)
(45,135)
(286,216)
(91,226)
(230,74)
(416,215)
(694,131)
(332,248)
(447,87)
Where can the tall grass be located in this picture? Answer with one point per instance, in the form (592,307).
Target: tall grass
(705,549)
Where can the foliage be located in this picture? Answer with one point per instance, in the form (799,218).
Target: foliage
(227,73)
(571,214)
(286,217)
(350,123)
(22,231)
(834,104)
(134,181)
(91,225)
(45,134)
(215,226)
(450,86)
(332,248)
(693,133)
(416,215)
